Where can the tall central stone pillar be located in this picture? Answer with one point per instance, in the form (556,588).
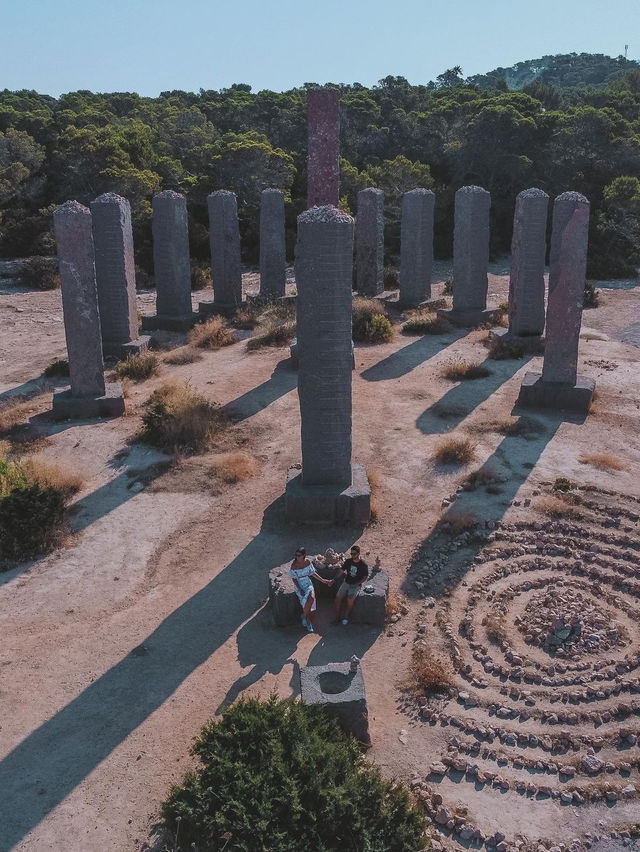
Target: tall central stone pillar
(560,386)
(273,258)
(329,488)
(224,241)
(323,163)
(116,276)
(528,250)
(470,258)
(416,247)
(370,242)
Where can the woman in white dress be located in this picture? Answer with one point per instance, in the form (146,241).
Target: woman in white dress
(301,572)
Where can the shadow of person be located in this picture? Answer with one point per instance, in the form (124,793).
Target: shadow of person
(283,379)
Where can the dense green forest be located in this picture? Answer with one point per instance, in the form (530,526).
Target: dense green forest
(555,135)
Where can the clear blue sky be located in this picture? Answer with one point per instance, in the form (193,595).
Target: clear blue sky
(149,46)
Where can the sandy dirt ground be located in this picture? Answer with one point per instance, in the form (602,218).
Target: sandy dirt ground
(118,647)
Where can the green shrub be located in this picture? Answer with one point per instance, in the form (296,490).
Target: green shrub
(31,518)
(138,367)
(41,273)
(59,367)
(563,484)
(200,277)
(281,775)
(370,323)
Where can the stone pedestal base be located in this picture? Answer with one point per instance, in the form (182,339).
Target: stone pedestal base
(169,323)
(530,343)
(427,305)
(469,318)
(67,407)
(124,350)
(534,393)
(328,504)
(369,608)
(293,351)
(210,309)
(341,693)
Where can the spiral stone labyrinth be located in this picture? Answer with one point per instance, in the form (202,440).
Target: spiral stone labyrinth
(540,633)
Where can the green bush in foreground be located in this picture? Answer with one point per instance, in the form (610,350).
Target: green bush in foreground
(281,776)
(30,520)
(370,323)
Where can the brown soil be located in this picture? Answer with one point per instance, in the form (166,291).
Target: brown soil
(116,649)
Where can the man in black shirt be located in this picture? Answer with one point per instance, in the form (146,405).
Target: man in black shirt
(354,571)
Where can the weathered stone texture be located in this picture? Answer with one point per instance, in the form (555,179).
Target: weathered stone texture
(324,256)
(416,247)
(72,227)
(528,250)
(171,255)
(273,259)
(471,249)
(115,269)
(370,242)
(323,168)
(224,239)
(569,238)
(341,692)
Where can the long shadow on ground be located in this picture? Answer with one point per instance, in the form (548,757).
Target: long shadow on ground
(409,357)
(510,466)
(283,379)
(49,763)
(451,409)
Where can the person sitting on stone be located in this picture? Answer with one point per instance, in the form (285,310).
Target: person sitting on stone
(354,572)
(301,572)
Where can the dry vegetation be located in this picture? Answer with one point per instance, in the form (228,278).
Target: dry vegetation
(456,521)
(495,628)
(212,334)
(428,674)
(234,467)
(555,507)
(184,355)
(603,461)
(370,323)
(524,426)
(395,606)
(138,367)
(455,451)
(275,326)
(48,475)
(459,371)
(178,418)
(504,348)
(425,322)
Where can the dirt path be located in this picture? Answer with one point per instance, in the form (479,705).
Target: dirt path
(119,647)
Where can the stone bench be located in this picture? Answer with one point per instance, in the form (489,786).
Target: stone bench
(369,608)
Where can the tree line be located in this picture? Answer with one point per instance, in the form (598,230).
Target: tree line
(395,136)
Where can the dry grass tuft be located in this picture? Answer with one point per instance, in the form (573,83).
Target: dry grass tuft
(512,348)
(48,475)
(185,355)
(459,371)
(603,461)
(179,418)
(425,322)
(275,326)
(138,367)
(370,323)
(211,334)
(455,451)
(234,467)
(428,674)
(495,628)
(484,476)
(395,606)
(555,507)
(16,430)
(456,521)
(513,426)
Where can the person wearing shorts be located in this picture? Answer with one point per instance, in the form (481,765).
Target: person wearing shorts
(354,572)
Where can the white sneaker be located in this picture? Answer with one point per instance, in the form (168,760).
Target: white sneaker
(345,621)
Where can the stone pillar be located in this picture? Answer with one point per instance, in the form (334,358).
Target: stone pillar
(560,387)
(115,275)
(224,240)
(528,250)
(329,488)
(416,247)
(323,165)
(88,395)
(370,242)
(470,257)
(273,258)
(171,264)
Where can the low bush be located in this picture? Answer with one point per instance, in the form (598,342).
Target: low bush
(428,674)
(503,348)
(282,775)
(211,334)
(455,451)
(563,484)
(555,507)
(591,296)
(200,277)
(138,367)
(603,461)
(234,467)
(59,367)
(178,418)
(275,326)
(460,371)
(456,521)
(370,323)
(426,322)
(41,273)
(185,355)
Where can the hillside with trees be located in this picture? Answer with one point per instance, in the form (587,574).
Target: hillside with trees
(553,133)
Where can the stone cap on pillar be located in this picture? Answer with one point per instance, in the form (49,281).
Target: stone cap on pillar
(110,198)
(572,197)
(71,208)
(168,193)
(371,190)
(221,193)
(419,190)
(325,213)
(534,192)
(272,190)
(471,189)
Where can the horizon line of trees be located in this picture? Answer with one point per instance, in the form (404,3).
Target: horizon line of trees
(395,136)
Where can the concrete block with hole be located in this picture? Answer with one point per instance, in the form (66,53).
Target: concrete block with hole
(341,692)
